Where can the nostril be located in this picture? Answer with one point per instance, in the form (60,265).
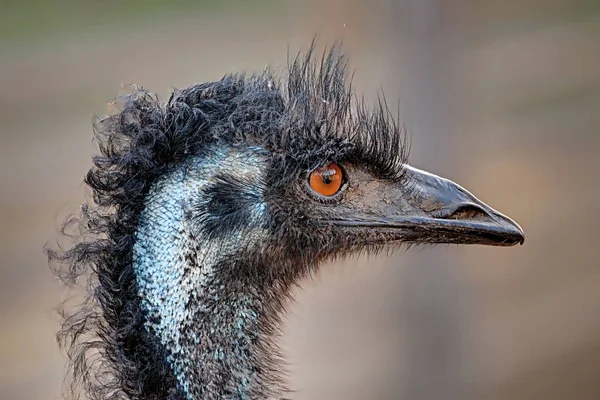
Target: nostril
(467,211)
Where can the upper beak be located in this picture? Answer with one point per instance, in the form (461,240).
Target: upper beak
(432,209)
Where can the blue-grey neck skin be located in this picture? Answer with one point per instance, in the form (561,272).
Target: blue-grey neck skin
(210,329)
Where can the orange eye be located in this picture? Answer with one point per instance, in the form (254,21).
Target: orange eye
(327,180)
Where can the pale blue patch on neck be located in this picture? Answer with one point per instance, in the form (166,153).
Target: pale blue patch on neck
(165,237)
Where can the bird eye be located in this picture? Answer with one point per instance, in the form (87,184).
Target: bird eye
(326,180)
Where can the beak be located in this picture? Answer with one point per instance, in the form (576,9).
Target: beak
(431,209)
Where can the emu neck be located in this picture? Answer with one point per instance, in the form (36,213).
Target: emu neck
(212,318)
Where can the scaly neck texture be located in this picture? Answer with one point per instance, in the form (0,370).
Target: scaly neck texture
(214,321)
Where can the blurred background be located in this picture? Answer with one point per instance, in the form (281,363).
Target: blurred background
(501,96)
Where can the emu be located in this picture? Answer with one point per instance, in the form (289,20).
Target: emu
(209,209)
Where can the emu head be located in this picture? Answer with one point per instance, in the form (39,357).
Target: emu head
(209,208)
(288,176)
(264,211)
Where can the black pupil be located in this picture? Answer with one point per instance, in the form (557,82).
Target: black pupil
(327,176)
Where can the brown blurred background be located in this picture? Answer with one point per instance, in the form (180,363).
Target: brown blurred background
(502,96)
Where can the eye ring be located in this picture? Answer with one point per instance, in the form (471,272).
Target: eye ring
(327,181)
